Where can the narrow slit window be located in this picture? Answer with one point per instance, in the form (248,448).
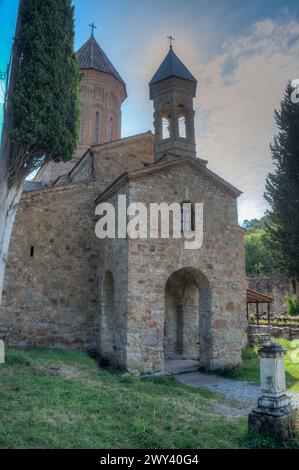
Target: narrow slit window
(111,129)
(97,128)
(31,251)
(187,217)
(192,218)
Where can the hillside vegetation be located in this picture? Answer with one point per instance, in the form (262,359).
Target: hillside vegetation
(61,399)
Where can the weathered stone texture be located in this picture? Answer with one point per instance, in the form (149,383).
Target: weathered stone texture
(217,268)
(61,296)
(52,298)
(113,263)
(137,302)
(280,427)
(107,162)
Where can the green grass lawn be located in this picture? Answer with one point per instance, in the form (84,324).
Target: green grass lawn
(61,399)
(250,369)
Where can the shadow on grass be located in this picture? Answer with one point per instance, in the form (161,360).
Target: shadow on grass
(255,440)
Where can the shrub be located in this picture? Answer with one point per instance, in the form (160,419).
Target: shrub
(292,305)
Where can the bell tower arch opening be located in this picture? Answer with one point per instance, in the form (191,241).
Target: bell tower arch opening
(182,121)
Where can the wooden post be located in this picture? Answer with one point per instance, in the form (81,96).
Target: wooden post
(257,312)
(268,313)
(247,313)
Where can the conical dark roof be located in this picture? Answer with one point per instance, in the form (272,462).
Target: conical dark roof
(91,56)
(172,66)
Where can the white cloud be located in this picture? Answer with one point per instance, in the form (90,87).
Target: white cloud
(238,91)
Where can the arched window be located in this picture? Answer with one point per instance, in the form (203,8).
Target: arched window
(111,129)
(165,127)
(182,121)
(187,217)
(182,127)
(96,139)
(166,120)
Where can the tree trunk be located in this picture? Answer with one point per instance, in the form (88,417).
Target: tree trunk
(9,199)
(297,289)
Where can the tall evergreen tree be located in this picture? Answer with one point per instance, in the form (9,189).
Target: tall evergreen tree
(282,188)
(41,113)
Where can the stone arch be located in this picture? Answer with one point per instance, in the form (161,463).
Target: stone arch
(187,318)
(107,319)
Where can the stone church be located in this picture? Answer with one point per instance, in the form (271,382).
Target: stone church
(139,303)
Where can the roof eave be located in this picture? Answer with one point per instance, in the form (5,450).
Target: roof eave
(154,81)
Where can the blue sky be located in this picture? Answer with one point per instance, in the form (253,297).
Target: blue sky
(243,54)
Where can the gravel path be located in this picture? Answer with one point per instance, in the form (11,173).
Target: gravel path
(243,394)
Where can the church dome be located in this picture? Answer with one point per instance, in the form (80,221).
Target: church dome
(91,56)
(172,66)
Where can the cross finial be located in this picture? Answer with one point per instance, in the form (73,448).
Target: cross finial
(171,40)
(93,27)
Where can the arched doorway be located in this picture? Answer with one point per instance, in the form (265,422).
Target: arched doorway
(187,319)
(107,319)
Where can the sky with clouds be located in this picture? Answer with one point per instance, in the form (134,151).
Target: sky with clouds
(242,53)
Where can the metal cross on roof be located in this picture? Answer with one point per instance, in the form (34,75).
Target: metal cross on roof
(171,40)
(93,27)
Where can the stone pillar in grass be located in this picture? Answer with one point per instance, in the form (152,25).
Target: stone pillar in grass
(3,333)
(274,415)
(2,352)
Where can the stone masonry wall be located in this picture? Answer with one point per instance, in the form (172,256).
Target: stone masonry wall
(220,261)
(105,163)
(113,258)
(54,288)
(129,154)
(50,294)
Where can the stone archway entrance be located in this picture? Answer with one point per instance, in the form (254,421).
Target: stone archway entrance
(187,320)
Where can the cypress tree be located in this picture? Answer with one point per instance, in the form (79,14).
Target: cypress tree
(282,188)
(41,113)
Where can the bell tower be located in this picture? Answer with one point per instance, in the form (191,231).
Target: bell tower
(172,90)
